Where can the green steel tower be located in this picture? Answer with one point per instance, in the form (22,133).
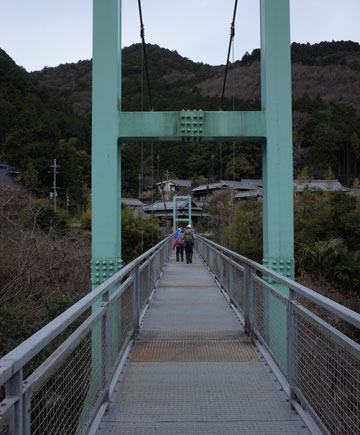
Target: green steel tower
(271,126)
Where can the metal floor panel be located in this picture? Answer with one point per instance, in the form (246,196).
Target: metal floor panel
(205,428)
(193,370)
(185,310)
(207,391)
(194,351)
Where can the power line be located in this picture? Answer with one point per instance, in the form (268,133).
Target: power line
(232,34)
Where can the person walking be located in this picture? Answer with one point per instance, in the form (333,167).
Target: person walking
(179,245)
(189,244)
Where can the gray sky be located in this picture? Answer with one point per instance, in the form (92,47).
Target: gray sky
(38,33)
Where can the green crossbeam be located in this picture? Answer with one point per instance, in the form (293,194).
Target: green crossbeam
(192,125)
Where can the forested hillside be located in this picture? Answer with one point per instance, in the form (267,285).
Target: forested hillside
(47,114)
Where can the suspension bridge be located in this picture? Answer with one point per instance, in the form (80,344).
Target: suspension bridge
(220,346)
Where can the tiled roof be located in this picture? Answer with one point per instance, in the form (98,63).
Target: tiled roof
(245,184)
(181,204)
(249,194)
(326,185)
(180,183)
(132,202)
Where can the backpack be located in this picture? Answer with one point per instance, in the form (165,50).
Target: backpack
(188,236)
(180,241)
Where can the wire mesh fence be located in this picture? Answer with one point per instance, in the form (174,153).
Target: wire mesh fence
(123,310)
(5,426)
(271,323)
(321,364)
(237,287)
(145,284)
(65,398)
(327,375)
(63,394)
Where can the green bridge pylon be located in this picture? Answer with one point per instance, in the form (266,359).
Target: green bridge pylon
(272,126)
(176,220)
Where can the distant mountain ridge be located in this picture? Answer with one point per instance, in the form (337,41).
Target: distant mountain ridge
(47,114)
(330,70)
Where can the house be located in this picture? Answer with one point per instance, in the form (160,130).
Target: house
(134,204)
(172,186)
(7,175)
(164,211)
(324,185)
(253,188)
(206,191)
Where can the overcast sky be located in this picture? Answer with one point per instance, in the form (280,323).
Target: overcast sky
(38,33)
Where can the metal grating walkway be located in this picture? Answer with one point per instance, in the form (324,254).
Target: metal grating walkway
(193,370)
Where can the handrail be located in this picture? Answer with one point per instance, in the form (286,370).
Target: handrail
(317,365)
(23,353)
(84,368)
(344,313)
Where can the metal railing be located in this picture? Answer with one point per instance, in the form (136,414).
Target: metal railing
(319,364)
(64,394)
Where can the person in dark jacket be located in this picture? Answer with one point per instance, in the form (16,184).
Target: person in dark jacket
(189,244)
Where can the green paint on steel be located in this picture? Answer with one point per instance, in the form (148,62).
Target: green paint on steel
(106,102)
(192,125)
(175,218)
(106,167)
(278,244)
(271,126)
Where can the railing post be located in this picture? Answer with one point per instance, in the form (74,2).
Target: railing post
(158,264)
(291,342)
(249,299)
(137,286)
(230,278)
(27,412)
(107,368)
(14,388)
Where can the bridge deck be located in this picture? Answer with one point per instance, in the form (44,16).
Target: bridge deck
(194,371)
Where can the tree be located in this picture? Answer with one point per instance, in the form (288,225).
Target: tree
(136,231)
(30,177)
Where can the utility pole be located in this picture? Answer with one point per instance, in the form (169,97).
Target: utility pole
(54,187)
(167,184)
(140,187)
(67,200)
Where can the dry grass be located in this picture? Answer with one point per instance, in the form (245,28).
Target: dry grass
(348,298)
(40,273)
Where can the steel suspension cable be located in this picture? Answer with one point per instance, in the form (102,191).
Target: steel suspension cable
(234,149)
(142,36)
(221,196)
(142,156)
(162,187)
(152,193)
(232,34)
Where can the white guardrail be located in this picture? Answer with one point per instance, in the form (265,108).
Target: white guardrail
(72,387)
(320,365)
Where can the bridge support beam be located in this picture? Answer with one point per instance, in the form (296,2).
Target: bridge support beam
(106,168)
(175,218)
(278,226)
(272,126)
(106,162)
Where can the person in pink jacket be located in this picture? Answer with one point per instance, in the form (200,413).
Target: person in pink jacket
(179,245)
